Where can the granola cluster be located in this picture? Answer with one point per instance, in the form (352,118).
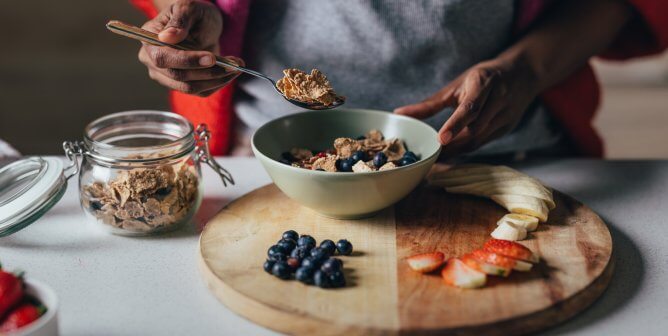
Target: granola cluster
(144,199)
(370,152)
(308,88)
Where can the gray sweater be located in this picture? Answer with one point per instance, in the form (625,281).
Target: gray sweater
(380,54)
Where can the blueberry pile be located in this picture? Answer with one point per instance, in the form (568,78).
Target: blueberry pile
(298,256)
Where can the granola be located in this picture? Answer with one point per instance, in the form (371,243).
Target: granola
(308,88)
(144,199)
(367,153)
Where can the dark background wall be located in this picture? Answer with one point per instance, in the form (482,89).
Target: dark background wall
(60,68)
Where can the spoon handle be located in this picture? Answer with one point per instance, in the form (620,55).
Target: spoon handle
(143,35)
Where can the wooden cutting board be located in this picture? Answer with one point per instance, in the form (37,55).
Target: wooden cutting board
(384,296)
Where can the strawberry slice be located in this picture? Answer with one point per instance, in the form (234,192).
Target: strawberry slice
(511,249)
(457,274)
(426,262)
(489,263)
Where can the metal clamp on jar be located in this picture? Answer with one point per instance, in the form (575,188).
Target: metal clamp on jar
(139,174)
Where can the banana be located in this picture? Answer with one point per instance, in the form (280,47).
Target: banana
(525,205)
(516,186)
(508,231)
(530,223)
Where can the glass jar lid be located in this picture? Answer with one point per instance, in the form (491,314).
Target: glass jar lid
(29,188)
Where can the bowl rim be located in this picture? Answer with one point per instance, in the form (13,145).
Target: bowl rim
(45,293)
(326,173)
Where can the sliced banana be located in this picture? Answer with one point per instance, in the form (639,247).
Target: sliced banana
(514,186)
(522,266)
(530,223)
(509,231)
(525,205)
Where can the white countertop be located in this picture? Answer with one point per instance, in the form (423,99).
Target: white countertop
(112,285)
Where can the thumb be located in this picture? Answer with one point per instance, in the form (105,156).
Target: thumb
(430,106)
(181,19)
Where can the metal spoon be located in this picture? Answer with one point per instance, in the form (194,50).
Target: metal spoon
(137,33)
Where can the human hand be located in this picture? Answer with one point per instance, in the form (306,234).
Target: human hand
(489,100)
(192,72)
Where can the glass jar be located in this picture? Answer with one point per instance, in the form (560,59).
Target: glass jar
(139,171)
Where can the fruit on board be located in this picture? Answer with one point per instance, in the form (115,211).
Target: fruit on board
(456,273)
(509,231)
(426,262)
(511,249)
(530,223)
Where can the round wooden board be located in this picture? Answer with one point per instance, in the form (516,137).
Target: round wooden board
(384,296)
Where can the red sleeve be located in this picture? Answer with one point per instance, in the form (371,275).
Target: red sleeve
(646,34)
(146,6)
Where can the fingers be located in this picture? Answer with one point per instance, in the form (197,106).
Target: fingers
(431,105)
(470,139)
(475,91)
(198,87)
(181,19)
(168,58)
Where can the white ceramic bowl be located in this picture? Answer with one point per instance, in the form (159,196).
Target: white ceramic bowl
(336,194)
(47,324)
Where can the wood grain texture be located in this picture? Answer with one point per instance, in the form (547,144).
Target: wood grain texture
(385,296)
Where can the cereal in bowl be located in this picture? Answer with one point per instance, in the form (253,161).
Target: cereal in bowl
(367,153)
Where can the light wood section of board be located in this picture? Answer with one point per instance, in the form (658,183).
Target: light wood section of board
(234,246)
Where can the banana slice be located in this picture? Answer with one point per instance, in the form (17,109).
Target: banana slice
(522,266)
(525,205)
(508,231)
(530,223)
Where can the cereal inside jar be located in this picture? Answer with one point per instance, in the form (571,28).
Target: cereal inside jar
(140,171)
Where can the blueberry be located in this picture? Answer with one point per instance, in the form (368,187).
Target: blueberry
(294,263)
(336,279)
(276,249)
(319,253)
(300,252)
(305,274)
(345,165)
(405,161)
(288,244)
(281,270)
(332,265)
(361,137)
(321,279)
(311,262)
(410,154)
(379,159)
(306,240)
(328,245)
(284,161)
(344,247)
(357,156)
(278,257)
(290,234)
(320,169)
(268,265)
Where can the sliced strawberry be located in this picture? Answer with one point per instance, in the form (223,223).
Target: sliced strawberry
(426,262)
(457,274)
(490,266)
(511,249)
